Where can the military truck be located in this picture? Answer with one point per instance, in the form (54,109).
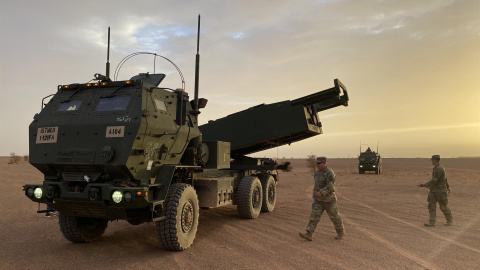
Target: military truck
(369,161)
(133,150)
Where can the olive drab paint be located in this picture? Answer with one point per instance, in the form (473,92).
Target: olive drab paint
(369,160)
(152,142)
(132,150)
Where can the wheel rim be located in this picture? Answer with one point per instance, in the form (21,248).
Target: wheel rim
(187,216)
(256,198)
(271,193)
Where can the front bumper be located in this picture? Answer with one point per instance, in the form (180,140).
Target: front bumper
(368,167)
(93,200)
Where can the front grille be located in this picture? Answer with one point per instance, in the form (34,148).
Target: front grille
(83,209)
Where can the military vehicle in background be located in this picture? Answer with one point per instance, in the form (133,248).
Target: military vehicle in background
(132,150)
(369,161)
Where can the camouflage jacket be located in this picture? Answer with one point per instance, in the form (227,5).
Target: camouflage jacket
(325,184)
(439,179)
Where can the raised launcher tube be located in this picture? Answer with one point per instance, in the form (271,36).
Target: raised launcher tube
(266,126)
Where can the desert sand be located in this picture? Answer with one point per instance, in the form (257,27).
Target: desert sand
(383,217)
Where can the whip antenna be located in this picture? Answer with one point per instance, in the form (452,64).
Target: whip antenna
(197,70)
(107,72)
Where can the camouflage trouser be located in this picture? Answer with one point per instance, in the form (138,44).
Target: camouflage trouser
(439,196)
(332,211)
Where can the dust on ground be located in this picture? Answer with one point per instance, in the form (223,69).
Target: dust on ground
(383,217)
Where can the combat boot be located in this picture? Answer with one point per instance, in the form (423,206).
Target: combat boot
(340,236)
(307,235)
(449,223)
(429,224)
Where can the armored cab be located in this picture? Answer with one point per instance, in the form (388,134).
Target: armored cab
(98,138)
(369,161)
(132,150)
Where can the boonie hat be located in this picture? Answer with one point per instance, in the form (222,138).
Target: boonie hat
(321,160)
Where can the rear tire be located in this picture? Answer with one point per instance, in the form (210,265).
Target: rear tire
(269,193)
(249,197)
(177,231)
(81,229)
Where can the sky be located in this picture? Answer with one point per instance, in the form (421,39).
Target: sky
(412,68)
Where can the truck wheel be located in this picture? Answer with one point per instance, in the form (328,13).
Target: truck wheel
(81,229)
(249,202)
(377,170)
(177,231)
(360,171)
(269,193)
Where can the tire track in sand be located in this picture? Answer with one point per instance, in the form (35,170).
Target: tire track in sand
(452,241)
(329,262)
(407,254)
(417,259)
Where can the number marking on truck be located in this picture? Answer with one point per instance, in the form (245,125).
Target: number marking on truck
(47,135)
(115,132)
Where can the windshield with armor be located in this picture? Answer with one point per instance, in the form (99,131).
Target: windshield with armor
(369,157)
(69,105)
(115,103)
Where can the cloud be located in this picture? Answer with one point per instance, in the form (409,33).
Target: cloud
(395,56)
(239,35)
(150,39)
(407,129)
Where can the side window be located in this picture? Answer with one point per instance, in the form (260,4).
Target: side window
(115,103)
(160,104)
(70,105)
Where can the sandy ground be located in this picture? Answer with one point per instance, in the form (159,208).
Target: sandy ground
(383,216)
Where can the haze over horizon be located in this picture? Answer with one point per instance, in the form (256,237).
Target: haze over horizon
(412,68)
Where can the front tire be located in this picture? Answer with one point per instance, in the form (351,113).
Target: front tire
(249,193)
(177,231)
(269,193)
(81,229)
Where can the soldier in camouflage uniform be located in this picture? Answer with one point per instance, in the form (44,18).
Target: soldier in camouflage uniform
(439,190)
(324,199)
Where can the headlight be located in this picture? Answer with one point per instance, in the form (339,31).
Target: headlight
(38,193)
(128,196)
(117,196)
(361,166)
(373,166)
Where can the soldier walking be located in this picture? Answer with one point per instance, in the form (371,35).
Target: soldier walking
(324,199)
(439,190)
